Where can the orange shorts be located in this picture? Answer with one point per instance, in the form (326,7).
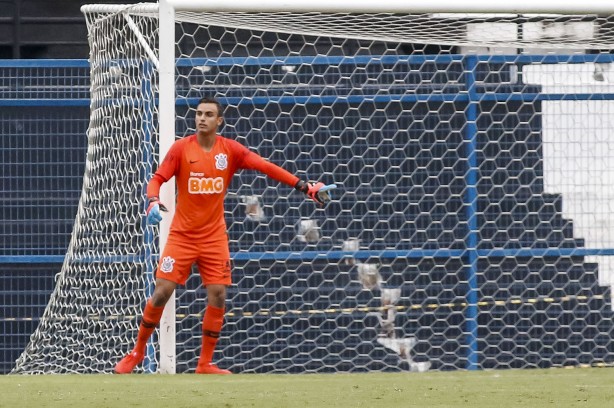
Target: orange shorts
(212,259)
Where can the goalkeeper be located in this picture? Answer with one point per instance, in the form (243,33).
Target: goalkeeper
(203,165)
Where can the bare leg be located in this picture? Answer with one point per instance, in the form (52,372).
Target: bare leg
(150,319)
(162,292)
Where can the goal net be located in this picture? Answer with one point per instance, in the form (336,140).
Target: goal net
(472,227)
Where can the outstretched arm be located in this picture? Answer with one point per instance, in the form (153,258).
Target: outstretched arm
(254,161)
(318,192)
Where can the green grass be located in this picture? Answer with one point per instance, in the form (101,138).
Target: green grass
(589,387)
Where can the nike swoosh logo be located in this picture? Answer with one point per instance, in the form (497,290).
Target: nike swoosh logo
(193,161)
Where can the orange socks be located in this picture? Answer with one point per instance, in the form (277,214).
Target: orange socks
(212,326)
(151,318)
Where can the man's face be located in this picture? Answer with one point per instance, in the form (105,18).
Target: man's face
(207,118)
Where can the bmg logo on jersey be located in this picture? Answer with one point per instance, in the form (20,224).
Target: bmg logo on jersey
(205,185)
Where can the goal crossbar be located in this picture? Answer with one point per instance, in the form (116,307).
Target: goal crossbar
(364,6)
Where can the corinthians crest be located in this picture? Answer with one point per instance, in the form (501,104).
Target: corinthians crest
(167,264)
(221,161)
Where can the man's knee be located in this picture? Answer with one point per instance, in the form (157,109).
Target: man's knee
(163,291)
(216,295)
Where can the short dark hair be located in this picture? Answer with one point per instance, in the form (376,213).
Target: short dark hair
(210,99)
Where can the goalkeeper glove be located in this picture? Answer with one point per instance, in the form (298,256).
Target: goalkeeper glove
(318,192)
(153,211)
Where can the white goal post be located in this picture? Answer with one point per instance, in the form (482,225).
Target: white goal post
(447,238)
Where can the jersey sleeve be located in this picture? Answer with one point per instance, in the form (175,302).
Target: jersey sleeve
(247,159)
(166,170)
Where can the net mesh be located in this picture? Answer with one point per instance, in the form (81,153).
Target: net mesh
(92,313)
(451,242)
(508,30)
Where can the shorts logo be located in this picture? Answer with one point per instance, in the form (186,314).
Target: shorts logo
(221,161)
(167,264)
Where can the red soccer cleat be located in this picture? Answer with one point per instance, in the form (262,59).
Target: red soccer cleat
(127,364)
(210,368)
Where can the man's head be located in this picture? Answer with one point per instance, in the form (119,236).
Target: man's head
(209,115)
(209,99)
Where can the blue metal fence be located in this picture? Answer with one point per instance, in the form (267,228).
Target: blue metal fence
(43,121)
(44,114)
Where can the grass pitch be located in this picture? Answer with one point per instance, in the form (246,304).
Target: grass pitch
(589,387)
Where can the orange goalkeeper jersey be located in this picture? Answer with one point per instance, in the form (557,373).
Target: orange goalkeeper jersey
(202,179)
